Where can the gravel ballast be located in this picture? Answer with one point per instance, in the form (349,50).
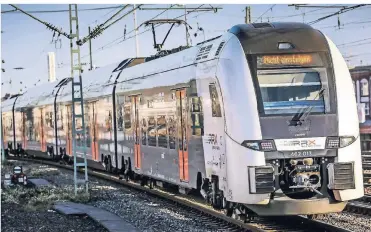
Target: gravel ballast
(27,209)
(145,212)
(350,221)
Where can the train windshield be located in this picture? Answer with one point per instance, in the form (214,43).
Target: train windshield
(292,83)
(290,93)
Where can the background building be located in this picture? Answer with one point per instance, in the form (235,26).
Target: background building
(51,67)
(361,76)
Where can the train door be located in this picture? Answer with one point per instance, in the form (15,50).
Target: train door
(69,130)
(181,105)
(42,131)
(136,130)
(24,130)
(94,132)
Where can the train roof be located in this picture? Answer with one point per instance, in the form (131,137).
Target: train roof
(134,73)
(131,74)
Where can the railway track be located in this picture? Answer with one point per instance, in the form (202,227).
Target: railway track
(360,206)
(207,213)
(363,205)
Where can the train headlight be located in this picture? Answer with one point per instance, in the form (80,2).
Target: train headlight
(346,140)
(339,142)
(260,145)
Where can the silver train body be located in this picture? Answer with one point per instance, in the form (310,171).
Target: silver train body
(261,120)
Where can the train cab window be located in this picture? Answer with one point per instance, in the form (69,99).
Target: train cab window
(197,117)
(215,104)
(152,132)
(171,131)
(144,131)
(162,131)
(287,93)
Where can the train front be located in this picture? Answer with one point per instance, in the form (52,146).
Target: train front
(302,131)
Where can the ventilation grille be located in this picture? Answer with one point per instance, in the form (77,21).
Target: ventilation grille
(341,176)
(262,25)
(264,181)
(261,179)
(204,52)
(219,48)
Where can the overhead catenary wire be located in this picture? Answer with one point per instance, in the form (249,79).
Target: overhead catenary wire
(96,20)
(344,24)
(133,30)
(124,36)
(161,24)
(361,54)
(62,11)
(127,38)
(352,42)
(102,27)
(270,8)
(342,11)
(358,44)
(48,25)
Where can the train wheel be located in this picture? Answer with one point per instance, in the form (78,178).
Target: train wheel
(143,181)
(109,164)
(151,183)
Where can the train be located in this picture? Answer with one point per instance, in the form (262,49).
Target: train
(261,120)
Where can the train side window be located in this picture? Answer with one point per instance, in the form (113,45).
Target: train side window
(215,104)
(162,131)
(51,122)
(144,131)
(108,121)
(152,131)
(127,114)
(10,123)
(61,124)
(197,117)
(46,119)
(31,133)
(120,120)
(171,131)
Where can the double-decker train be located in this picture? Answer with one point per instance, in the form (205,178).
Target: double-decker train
(261,120)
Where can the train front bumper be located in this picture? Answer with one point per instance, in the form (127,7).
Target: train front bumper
(287,206)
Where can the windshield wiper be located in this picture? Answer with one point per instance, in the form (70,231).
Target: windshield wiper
(305,110)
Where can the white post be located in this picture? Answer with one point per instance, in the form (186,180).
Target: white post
(136,33)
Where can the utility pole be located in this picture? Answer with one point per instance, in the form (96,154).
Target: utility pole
(136,32)
(77,99)
(248,15)
(91,58)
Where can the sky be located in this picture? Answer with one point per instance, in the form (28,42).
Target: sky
(26,42)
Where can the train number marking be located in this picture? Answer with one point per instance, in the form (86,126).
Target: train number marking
(301,153)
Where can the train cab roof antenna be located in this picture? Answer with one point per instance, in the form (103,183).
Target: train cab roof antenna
(163,21)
